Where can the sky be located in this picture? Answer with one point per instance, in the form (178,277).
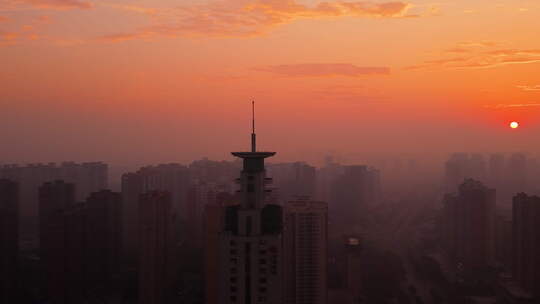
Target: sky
(145,81)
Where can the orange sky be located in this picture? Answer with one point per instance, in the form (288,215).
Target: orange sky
(164,80)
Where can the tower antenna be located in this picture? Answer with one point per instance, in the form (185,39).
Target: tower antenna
(253,136)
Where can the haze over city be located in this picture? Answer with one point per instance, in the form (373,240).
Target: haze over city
(269,151)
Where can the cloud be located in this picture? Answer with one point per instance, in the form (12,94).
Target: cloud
(56,4)
(246,18)
(480,44)
(519,105)
(3,19)
(530,88)
(133,8)
(482,59)
(324,70)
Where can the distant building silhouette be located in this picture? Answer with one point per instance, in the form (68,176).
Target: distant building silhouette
(293,179)
(214,223)
(356,189)
(102,239)
(526,240)
(79,242)
(62,242)
(461,166)
(157,247)
(305,239)
(88,177)
(171,178)
(9,240)
(132,188)
(469,226)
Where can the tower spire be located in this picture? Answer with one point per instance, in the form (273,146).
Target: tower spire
(253,136)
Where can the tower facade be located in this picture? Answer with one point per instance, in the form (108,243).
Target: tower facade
(251,241)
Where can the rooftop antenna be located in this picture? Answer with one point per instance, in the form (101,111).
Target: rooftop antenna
(253,136)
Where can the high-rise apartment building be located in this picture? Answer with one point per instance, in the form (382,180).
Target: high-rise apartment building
(61,224)
(102,238)
(9,240)
(171,178)
(305,252)
(526,243)
(157,247)
(214,216)
(469,226)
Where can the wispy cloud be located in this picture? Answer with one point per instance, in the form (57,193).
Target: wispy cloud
(56,4)
(529,88)
(518,105)
(133,8)
(478,55)
(245,18)
(324,70)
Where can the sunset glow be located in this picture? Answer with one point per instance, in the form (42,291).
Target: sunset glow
(188,69)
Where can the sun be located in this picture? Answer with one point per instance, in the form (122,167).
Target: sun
(514,125)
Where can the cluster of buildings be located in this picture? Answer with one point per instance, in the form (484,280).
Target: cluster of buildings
(487,246)
(260,245)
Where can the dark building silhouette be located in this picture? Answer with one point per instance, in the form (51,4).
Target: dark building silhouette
(352,192)
(88,177)
(157,247)
(305,258)
(469,226)
(293,179)
(353,269)
(171,178)
(132,188)
(9,240)
(62,242)
(201,194)
(461,166)
(214,217)
(102,239)
(526,241)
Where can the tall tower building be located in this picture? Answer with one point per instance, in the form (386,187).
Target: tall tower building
(526,241)
(305,252)
(251,243)
(9,238)
(156,252)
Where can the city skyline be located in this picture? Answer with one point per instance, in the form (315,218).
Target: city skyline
(407,167)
